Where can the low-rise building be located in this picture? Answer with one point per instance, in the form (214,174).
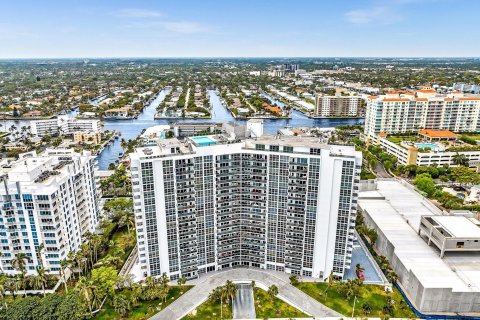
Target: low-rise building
(432,284)
(425,153)
(87,137)
(64,125)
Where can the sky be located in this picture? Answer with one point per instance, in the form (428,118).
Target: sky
(239,28)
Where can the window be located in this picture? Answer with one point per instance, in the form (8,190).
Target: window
(260,147)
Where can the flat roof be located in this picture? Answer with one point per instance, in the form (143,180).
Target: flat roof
(397,209)
(459,226)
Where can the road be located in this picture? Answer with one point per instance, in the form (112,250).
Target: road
(263,279)
(380,171)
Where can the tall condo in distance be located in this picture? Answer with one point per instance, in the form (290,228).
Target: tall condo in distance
(403,111)
(337,106)
(276,203)
(47,200)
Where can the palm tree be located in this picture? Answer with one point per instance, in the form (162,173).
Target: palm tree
(331,281)
(64,264)
(21,283)
(229,291)
(272,291)
(19,261)
(96,241)
(460,160)
(182,280)
(11,286)
(40,280)
(127,220)
(3,285)
(136,292)
(84,287)
(367,308)
(121,304)
(41,247)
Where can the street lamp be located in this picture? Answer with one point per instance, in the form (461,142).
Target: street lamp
(354,300)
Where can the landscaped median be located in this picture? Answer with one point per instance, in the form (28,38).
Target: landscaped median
(267,305)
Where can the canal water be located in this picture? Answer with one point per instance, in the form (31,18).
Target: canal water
(130,129)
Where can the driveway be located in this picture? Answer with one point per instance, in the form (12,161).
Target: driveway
(263,279)
(381,172)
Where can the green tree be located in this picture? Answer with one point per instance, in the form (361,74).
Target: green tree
(40,280)
(20,261)
(182,280)
(121,304)
(425,183)
(367,308)
(294,280)
(272,291)
(349,288)
(71,308)
(103,280)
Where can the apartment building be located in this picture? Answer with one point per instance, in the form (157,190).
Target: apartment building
(337,106)
(48,199)
(87,137)
(409,153)
(402,111)
(64,125)
(276,203)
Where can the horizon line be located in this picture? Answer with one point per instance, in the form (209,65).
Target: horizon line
(245,57)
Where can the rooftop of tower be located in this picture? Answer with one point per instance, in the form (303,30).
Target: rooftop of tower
(220,144)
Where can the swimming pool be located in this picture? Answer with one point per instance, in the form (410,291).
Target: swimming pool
(424,145)
(203,141)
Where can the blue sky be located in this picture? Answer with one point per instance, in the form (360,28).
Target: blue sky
(238,28)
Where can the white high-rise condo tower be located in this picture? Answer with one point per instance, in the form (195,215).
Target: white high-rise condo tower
(48,199)
(276,203)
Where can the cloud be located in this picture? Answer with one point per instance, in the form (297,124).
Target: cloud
(137,13)
(377,15)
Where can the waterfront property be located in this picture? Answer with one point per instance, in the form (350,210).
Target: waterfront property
(64,125)
(276,203)
(48,199)
(337,106)
(435,280)
(402,111)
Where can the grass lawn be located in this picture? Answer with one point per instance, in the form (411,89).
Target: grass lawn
(266,308)
(145,309)
(396,140)
(372,294)
(473,136)
(210,311)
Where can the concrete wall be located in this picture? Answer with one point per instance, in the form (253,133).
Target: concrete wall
(424,299)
